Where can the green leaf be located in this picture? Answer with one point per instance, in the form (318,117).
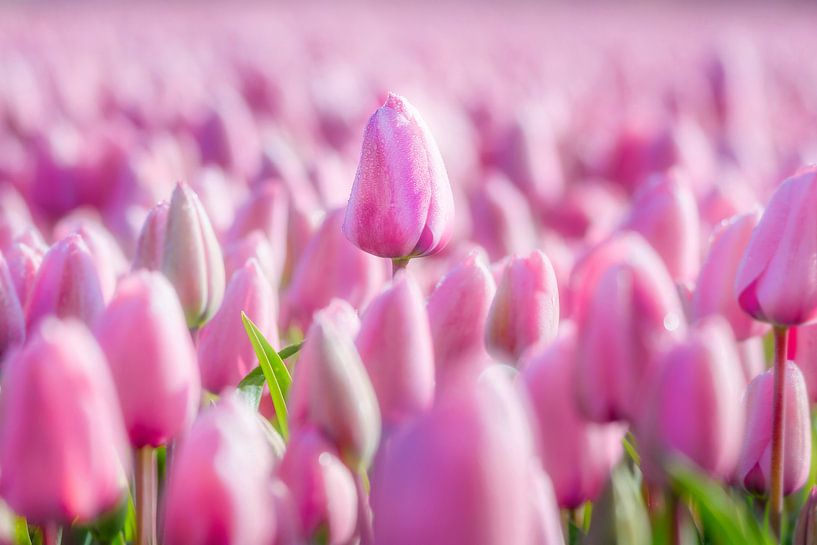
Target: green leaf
(275,372)
(251,387)
(289,351)
(21,535)
(619,515)
(726,519)
(628,441)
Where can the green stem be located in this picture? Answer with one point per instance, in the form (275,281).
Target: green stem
(397,264)
(146,484)
(364,514)
(778,418)
(674,514)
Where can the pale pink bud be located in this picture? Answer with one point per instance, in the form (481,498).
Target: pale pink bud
(401,203)
(63,446)
(525,309)
(151,357)
(12,320)
(150,246)
(23,258)
(253,246)
(754,464)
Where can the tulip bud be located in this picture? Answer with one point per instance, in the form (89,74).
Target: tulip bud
(12,320)
(713,292)
(457,312)
(474,450)
(108,257)
(805,532)
(24,258)
(192,258)
(401,203)
(394,344)
(693,407)
(303,223)
(775,281)
(525,309)
(339,398)
(266,210)
(664,212)
(627,311)
(63,446)
(253,246)
(225,353)
(322,488)
(218,488)
(151,243)
(577,454)
(151,357)
(67,284)
(754,464)
(354,276)
(343,316)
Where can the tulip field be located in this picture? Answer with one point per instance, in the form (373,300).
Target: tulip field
(432,273)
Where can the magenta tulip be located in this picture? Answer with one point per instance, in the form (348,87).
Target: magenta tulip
(577,454)
(394,344)
(525,309)
(401,203)
(693,408)
(754,464)
(63,446)
(776,281)
(713,292)
(218,488)
(67,284)
(192,259)
(12,319)
(457,312)
(225,354)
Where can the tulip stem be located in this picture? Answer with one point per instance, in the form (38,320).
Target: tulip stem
(364,514)
(146,484)
(398,263)
(674,514)
(52,534)
(778,415)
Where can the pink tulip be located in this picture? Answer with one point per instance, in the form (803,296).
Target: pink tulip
(803,350)
(354,276)
(23,258)
(547,525)
(151,357)
(108,257)
(713,292)
(664,212)
(343,316)
(63,446)
(395,345)
(225,353)
(475,451)
(253,246)
(401,203)
(626,313)
(338,397)
(694,405)
(303,223)
(754,464)
(457,312)
(525,309)
(752,355)
(192,259)
(266,210)
(776,281)
(577,455)
(151,243)
(322,488)
(67,284)
(218,487)
(12,319)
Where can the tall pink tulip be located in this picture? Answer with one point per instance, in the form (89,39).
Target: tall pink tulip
(151,357)
(322,488)
(354,275)
(12,320)
(67,284)
(525,309)
(108,257)
(192,259)
(776,281)
(253,246)
(664,212)
(694,405)
(475,451)
(457,311)
(754,464)
(627,311)
(219,481)
(225,354)
(713,291)
(394,344)
(401,205)
(577,454)
(151,243)
(63,446)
